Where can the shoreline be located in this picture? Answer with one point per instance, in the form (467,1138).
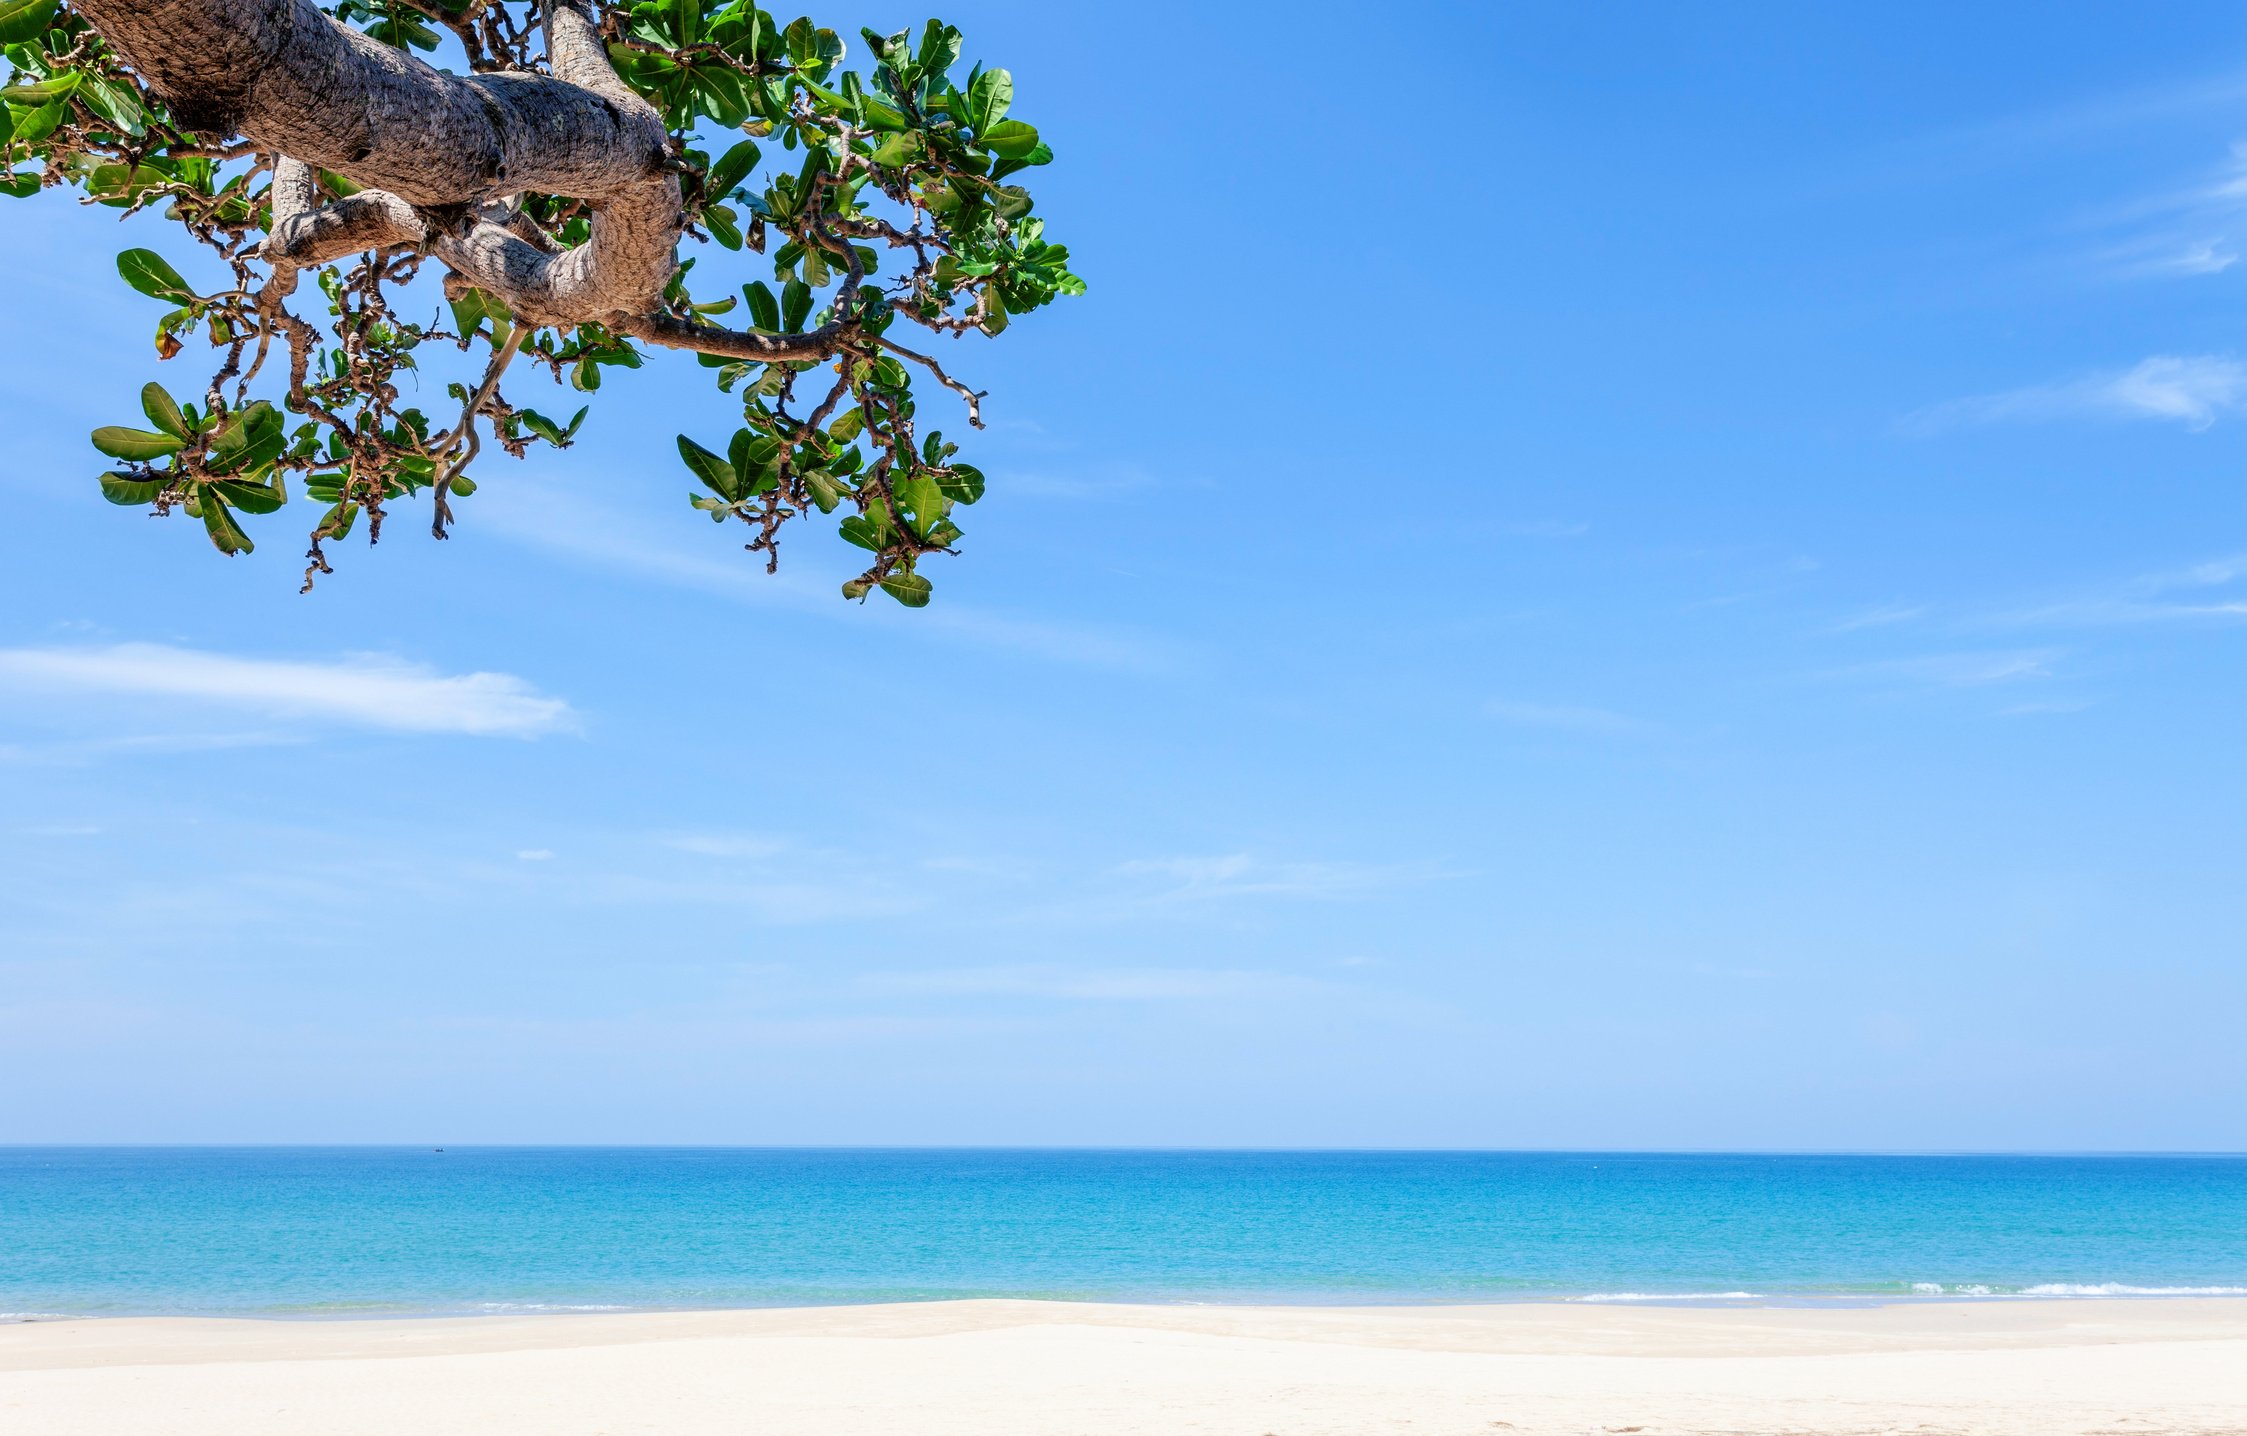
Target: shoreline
(2055,1293)
(1025,1368)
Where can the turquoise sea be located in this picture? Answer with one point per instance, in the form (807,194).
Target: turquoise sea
(362,1231)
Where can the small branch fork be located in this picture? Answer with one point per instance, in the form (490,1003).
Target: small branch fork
(465,431)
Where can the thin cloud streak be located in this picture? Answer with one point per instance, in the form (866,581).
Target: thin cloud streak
(365,691)
(1242,875)
(2176,596)
(1958,670)
(2194,390)
(573,528)
(2183,233)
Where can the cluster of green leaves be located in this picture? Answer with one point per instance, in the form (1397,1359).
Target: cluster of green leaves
(875,198)
(906,162)
(221,462)
(64,102)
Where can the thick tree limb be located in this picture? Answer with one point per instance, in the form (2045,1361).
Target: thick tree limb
(675,333)
(301,84)
(371,219)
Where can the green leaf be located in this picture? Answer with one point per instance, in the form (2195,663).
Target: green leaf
(719,221)
(926,501)
(965,485)
(719,90)
(795,305)
(43,93)
(125,490)
(249,498)
(900,149)
(1041,155)
(163,413)
(226,535)
(136,444)
(468,312)
(764,310)
(22,20)
(40,123)
(114,103)
(542,426)
(1009,139)
(730,169)
(848,425)
(909,589)
(989,98)
(940,48)
(861,530)
(716,474)
(149,272)
(802,39)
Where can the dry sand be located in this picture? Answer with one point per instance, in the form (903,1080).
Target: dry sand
(1006,1368)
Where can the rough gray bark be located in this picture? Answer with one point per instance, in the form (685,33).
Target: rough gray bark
(439,153)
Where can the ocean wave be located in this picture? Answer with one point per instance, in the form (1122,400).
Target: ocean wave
(2116,1288)
(524,1308)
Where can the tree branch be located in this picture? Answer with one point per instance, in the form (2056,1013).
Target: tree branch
(299,83)
(673,332)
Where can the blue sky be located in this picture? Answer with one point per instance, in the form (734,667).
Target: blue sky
(1670,577)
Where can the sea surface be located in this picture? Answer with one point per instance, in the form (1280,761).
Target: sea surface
(367,1231)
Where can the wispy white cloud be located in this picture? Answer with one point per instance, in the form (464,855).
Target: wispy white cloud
(1243,875)
(2178,259)
(365,691)
(2182,232)
(2215,591)
(1563,717)
(2191,389)
(2004,139)
(553,520)
(1959,670)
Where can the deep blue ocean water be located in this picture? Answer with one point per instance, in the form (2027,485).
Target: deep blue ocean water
(353,1231)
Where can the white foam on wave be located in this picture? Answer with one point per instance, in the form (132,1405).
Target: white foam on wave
(1936,1288)
(2116,1288)
(503,1308)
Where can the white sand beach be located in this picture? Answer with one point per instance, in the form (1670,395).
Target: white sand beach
(1010,1368)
